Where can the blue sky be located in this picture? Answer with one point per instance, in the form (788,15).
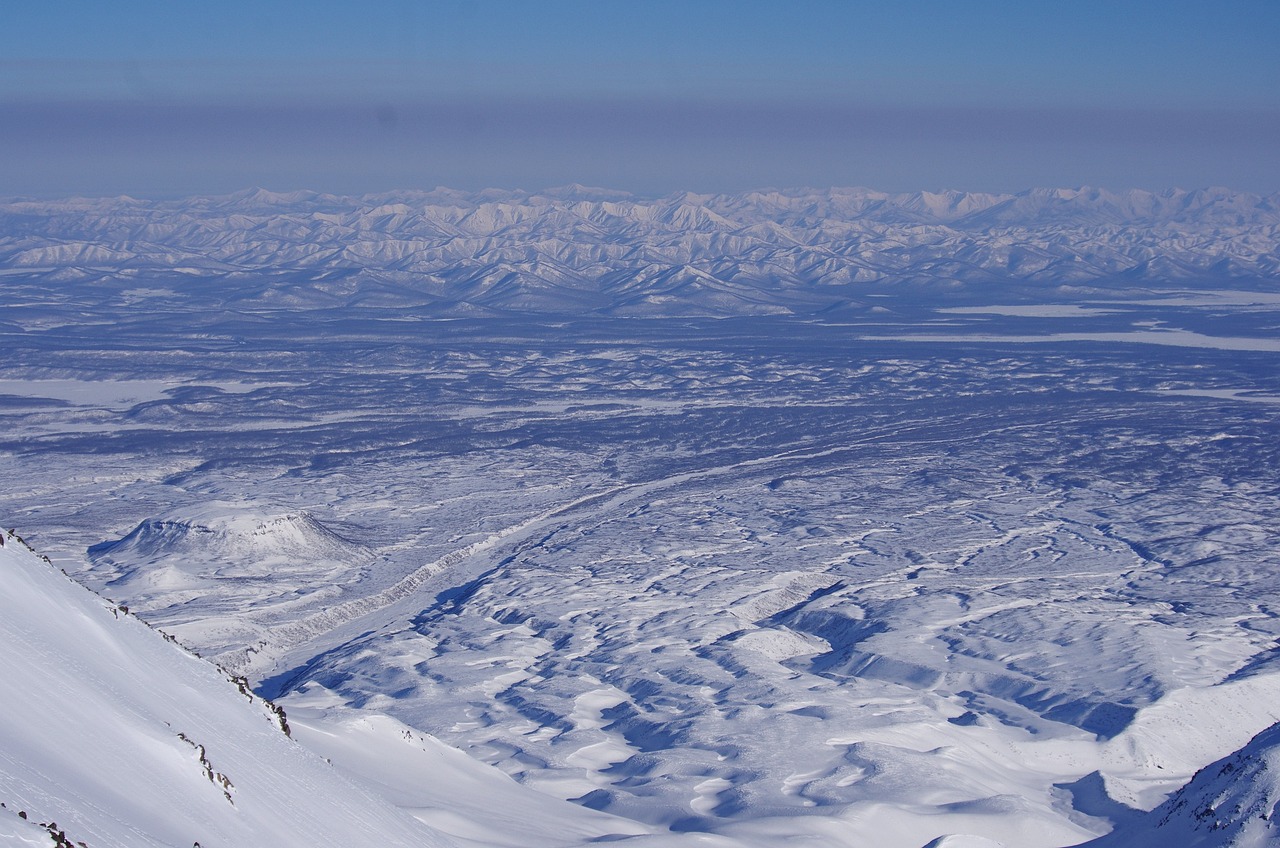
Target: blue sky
(169,98)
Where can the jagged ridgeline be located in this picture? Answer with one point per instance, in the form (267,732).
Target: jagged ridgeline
(592,251)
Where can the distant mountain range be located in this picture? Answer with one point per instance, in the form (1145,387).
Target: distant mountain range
(594,251)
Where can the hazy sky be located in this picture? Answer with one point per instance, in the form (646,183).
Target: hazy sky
(170,98)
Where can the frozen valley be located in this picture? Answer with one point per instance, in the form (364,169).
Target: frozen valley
(730,521)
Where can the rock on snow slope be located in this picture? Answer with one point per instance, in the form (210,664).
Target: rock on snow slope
(1228,804)
(116,737)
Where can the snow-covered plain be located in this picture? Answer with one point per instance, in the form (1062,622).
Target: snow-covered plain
(890,552)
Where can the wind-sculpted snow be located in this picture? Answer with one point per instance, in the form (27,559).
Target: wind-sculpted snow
(592,251)
(964,564)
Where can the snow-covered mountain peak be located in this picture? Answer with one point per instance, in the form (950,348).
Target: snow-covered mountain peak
(577,191)
(233,556)
(232,531)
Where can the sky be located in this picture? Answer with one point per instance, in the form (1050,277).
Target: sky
(163,99)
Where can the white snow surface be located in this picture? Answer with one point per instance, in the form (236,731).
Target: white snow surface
(105,725)
(932,519)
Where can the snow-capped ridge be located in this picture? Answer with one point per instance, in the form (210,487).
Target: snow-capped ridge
(1231,803)
(803,251)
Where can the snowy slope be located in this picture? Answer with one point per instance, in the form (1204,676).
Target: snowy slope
(122,739)
(1230,803)
(477,805)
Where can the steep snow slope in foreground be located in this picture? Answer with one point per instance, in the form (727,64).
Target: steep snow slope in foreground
(123,739)
(1228,804)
